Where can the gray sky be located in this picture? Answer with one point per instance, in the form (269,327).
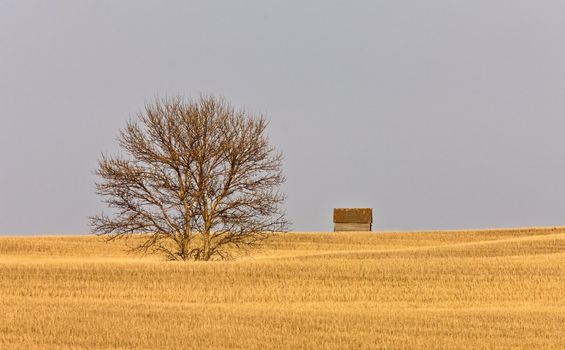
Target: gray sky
(438,114)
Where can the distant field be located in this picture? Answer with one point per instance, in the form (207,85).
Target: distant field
(452,289)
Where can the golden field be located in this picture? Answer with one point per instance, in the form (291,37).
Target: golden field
(436,290)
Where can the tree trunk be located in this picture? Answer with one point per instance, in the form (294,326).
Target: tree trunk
(206,246)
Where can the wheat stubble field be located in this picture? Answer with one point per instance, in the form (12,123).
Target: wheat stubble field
(452,289)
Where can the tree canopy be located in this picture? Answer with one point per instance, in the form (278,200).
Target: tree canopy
(199,181)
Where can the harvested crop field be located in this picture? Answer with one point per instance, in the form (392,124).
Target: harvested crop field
(437,290)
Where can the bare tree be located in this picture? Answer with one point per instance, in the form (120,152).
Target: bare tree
(200,181)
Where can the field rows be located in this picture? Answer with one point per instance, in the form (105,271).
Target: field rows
(460,289)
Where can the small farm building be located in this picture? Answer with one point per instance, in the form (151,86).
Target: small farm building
(353,219)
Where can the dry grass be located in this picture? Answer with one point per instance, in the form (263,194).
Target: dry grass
(457,289)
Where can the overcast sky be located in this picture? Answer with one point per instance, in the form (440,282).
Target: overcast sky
(437,114)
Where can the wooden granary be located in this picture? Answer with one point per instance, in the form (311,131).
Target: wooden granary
(353,219)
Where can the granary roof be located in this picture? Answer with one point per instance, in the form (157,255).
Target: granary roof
(353,215)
